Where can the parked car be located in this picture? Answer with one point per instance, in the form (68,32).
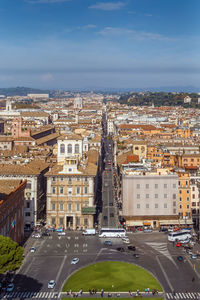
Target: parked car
(36,235)
(75,261)
(193,256)
(109,243)
(59,229)
(126,241)
(32,250)
(61,233)
(46,233)
(131,248)
(147,230)
(10,287)
(178,244)
(136,255)
(51,284)
(121,249)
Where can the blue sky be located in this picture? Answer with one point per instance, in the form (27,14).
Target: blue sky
(96,44)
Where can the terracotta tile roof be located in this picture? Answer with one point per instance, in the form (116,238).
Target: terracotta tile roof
(24,138)
(70,137)
(8,186)
(6,139)
(33,168)
(132,126)
(32,114)
(47,138)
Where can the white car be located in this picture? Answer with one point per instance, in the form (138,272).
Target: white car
(36,235)
(32,250)
(61,233)
(126,241)
(51,284)
(75,261)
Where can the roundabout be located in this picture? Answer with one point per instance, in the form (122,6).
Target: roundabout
(112,276)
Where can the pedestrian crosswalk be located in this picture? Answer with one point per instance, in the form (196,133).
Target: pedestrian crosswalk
(30,295)
(188,295)
(161,248)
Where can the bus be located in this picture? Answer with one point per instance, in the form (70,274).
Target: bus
(112,232)
(181,235)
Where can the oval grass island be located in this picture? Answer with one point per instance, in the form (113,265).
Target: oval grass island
(112,276)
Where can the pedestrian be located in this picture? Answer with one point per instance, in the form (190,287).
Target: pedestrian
(90,291)
(95,291)
(193,279)
(148,290)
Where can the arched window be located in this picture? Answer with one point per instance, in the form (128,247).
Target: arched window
(62,148)
(76,148)
(69,148)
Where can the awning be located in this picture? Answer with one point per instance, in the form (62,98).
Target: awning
(147,223)
(134,223)
(176,222)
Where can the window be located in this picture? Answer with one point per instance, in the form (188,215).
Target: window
(53,190)
(61,190)
(138,196)
(53,221)
(180,191)
(165,196)
(147,205)
(62,148)
(28,185)
(86,179)
(78,189)
(180,206)
(147,196)
(193,203)
(78,178)
(156,186)
(193,188)
(147,186)
(165,205)
(69,148)
(174,185)
(85,190)
(78,221)
(69,180)
(78,206)
(138,206)
(188,206)
(180,198)
(179,183)
(76,148)
(174,196)
(61,178)
(86,203)
(186,182)
(156,205)
(27,204)
(165,185)
(54,179)
(61,221)
(174,203)
(188,199)
(85,221)
(27,214)
(53,206)
(69,190)
(156,196)
(138,186)
(61,206)
(174,210)
(188,191)
(69,207)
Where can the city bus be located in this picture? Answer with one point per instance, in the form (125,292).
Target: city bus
(112,232)
(181,235)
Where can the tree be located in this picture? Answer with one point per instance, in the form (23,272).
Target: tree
(11,255)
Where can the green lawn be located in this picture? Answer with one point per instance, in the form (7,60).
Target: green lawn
(111,276)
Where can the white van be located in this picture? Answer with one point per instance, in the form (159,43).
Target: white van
(91,231)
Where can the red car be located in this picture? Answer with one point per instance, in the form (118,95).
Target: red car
(178,244)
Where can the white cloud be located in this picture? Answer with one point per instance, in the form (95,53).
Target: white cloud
(108,5)
(45,1)
(47,77)
(139,35)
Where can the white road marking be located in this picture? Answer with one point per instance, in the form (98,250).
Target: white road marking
(189,295)
(164,273)
(48,245)
(61,267)
(69,237)
(76,237)
(58,245)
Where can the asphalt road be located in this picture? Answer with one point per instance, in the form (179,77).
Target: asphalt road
(52,260)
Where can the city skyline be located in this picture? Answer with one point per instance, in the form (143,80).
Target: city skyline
(101,44)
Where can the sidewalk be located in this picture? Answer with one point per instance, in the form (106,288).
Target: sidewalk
(112,294)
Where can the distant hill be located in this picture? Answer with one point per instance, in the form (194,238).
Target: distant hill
(21,91)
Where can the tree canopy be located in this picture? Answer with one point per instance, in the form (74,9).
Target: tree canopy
(11,255)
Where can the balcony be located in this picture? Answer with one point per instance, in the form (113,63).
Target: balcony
(88,210)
